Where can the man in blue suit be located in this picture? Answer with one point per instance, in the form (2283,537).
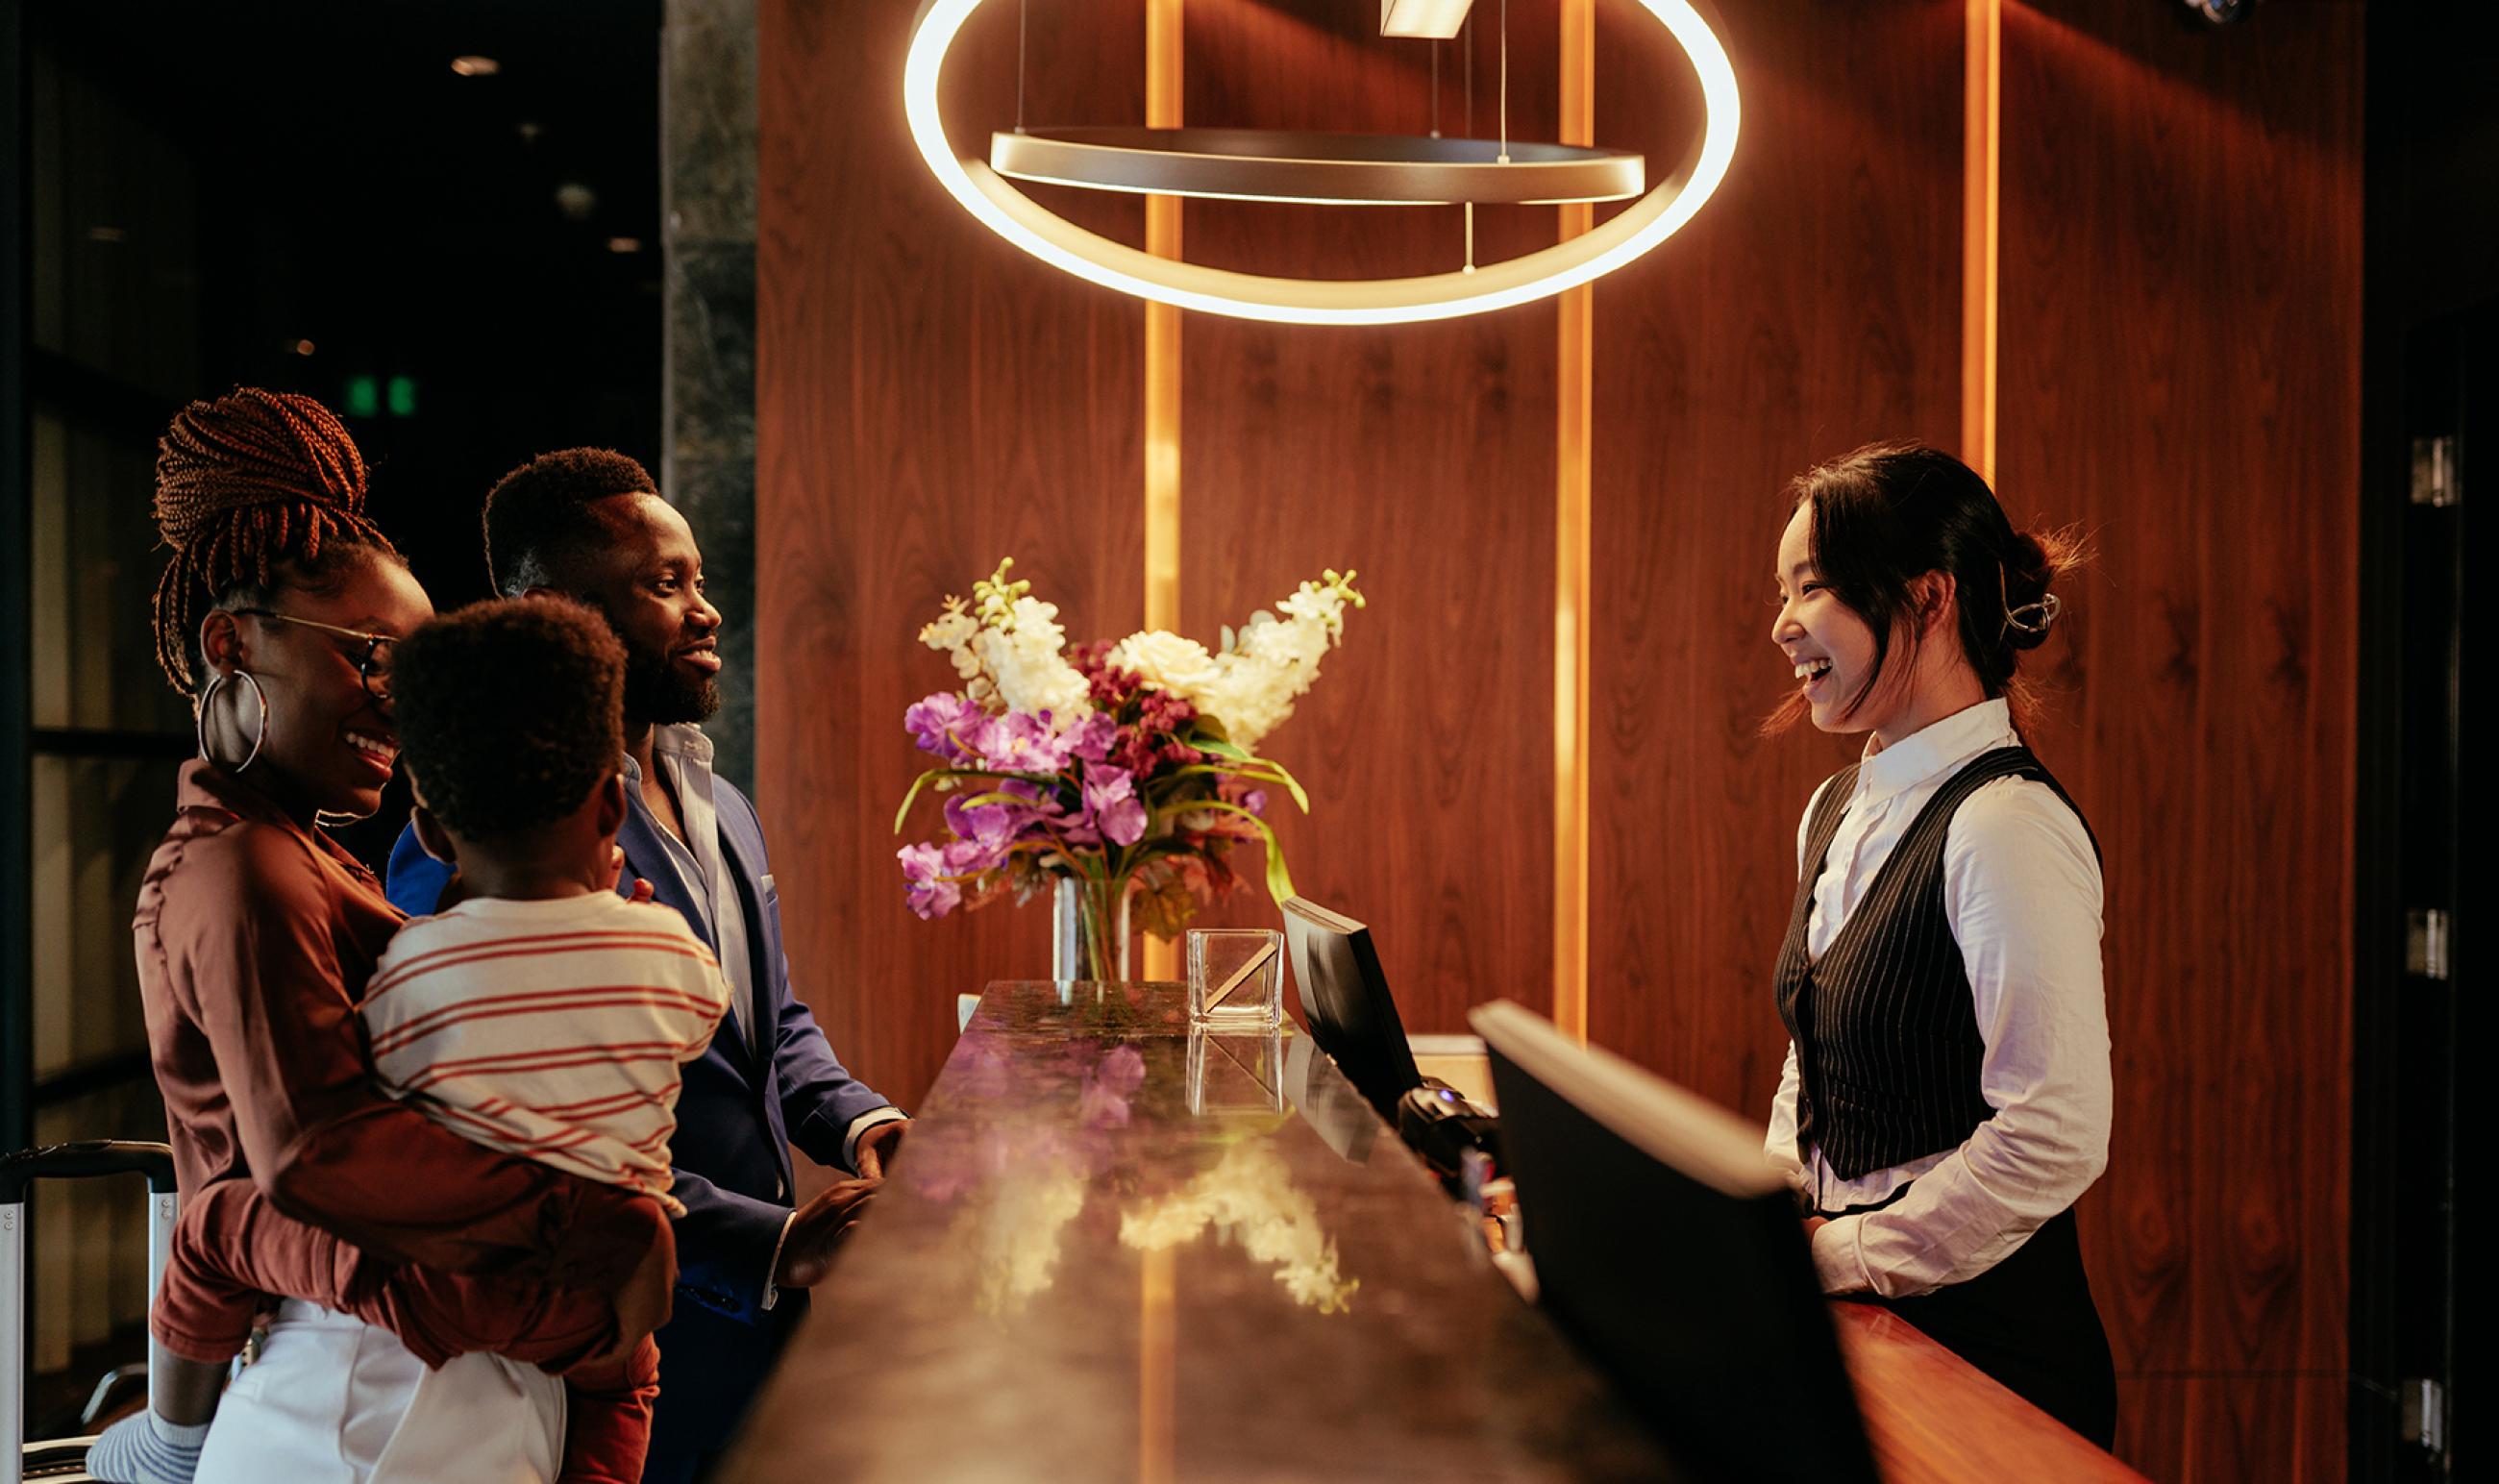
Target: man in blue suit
(590,525)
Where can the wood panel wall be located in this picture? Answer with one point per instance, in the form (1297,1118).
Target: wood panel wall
(1812,305)
(2179,311)
(2181,376)
(927,401)
(1422,455)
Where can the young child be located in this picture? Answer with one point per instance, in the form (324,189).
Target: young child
(545,1016)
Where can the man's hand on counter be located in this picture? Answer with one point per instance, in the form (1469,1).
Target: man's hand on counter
(819,1228)
(877,1146)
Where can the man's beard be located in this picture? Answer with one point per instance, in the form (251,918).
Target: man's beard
(657,691)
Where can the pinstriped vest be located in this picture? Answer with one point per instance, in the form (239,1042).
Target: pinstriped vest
(1886,1039)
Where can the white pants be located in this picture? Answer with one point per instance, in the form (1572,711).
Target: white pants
(335,1400)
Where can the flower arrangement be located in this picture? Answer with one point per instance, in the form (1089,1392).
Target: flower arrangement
(1131,767)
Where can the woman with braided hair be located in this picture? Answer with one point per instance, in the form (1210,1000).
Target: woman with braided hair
(255,935)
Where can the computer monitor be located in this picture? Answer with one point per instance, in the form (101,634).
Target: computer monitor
(1345,999)
(1669,1250)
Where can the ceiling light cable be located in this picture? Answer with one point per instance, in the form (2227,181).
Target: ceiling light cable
(1504,82)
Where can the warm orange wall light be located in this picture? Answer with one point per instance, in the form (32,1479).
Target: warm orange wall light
(1575,396)
(1982,117)
(1163,380)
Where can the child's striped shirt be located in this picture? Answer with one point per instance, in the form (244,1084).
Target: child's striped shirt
(549,1029)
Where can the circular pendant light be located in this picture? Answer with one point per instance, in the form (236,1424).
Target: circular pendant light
(1316,168)
(1651,219)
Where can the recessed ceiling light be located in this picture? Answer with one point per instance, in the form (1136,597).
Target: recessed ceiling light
(476,66)
(624,245)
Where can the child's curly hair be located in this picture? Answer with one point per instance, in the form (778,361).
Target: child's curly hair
(509,712)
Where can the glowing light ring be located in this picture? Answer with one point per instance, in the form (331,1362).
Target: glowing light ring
(1115,264)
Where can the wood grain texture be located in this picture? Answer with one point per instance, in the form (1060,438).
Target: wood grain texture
(1811,305)
(2181,376)
(2180,248)
(1935,1418)
(927,401)
(1422,455)
(2227,1429)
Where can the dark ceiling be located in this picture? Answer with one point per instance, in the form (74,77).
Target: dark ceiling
(355,191)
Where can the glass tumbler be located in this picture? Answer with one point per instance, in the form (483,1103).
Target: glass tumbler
(1235,978)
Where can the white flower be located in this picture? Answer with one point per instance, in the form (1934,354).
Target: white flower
(1010,651)
(950,633)
(1010,654)
(1251,688)
(1165,660)
(1031,675)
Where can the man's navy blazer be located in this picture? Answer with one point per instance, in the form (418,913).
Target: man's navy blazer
(737,1113)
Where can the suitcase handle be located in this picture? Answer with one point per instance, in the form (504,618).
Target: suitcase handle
(69,1161)
(87,1157)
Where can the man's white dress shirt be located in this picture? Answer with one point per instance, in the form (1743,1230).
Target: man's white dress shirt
(2022,892)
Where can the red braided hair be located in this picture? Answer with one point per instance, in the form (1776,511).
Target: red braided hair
(247,485)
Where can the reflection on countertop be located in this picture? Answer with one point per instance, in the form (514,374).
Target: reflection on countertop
(1113,1247)
(1248,1198)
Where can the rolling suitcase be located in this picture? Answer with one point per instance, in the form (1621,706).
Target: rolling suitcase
(62,1461)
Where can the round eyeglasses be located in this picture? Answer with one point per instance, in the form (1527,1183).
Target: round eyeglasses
(372,664)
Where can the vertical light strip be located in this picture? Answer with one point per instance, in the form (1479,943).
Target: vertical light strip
(1982,78)
(1575,405)
(1162,379)
(1157,1366)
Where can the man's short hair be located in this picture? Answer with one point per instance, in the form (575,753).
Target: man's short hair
(509,712)
(538,517)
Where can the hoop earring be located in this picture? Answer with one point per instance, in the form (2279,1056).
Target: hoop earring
(207,697)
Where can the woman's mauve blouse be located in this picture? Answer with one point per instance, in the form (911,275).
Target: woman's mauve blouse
(254,937)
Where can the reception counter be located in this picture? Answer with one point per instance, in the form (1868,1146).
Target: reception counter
(1112,1249)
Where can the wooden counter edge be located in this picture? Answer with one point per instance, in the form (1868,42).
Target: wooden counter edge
(1933,1418)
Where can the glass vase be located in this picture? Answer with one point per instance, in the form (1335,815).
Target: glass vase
(1088,929)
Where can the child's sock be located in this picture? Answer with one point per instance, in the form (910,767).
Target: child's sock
(143,1448)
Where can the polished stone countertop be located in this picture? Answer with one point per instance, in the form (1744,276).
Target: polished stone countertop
(1111,1249)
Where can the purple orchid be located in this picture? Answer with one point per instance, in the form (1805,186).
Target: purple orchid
(1031,797)
(946,724)
(1111,805)
(925,886)
(1092,738)
(1122,1069)
(993,826)
(934,874)
(1023,742)
(1103,1101)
